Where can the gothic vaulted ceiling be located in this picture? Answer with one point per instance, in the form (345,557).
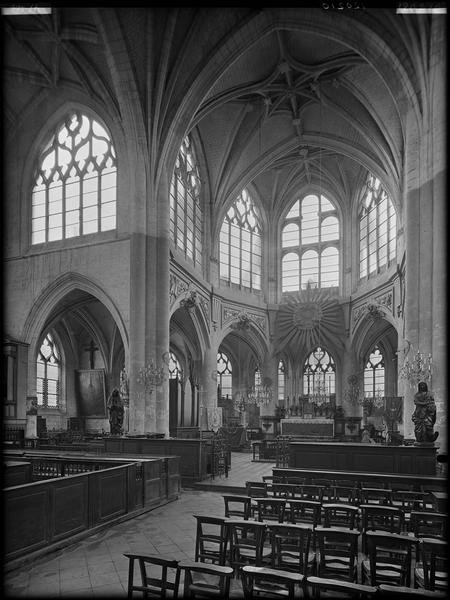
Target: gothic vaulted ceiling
(280,98)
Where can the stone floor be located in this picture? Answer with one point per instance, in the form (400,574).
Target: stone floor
(96,567)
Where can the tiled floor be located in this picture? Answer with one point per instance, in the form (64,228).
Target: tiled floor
(96,567)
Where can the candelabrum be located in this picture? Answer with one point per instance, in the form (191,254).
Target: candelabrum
(151,376)
(320,395)
(420,368)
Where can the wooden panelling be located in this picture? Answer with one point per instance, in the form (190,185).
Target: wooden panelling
(27,524)
(193,453)
(173,477)
(70,507)
(16,473)
(376,478)
(40,514)
(413,460)
(112,496)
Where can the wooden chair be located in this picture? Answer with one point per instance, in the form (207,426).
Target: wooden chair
(211,539)
(340,515)
(380,518)
(284,490)
(388,559)
(310,492)
(154,571)
(266,582)
(428,524)
(294,480)
(376,496)
(320,586)
(203,580)
(431,570)
(430,500)
(395,591)
(247,543)
(238,507)
(255,489)
(304,511)
(270,509)
(337,553)
(409,501)
(291,547)
(344,494)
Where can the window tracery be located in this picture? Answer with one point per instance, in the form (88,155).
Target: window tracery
(75,185)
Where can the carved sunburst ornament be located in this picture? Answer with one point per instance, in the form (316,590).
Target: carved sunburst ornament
(308,319)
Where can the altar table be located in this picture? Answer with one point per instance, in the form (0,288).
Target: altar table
(314,427)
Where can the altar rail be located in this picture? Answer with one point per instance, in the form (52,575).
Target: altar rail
(53,512)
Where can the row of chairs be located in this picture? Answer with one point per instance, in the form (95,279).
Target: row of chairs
(343,490)
(287,568)
(320,550)
(363,516)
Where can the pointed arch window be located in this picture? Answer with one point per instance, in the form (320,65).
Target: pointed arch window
(319,373)
(224,376)
(377,229)
(240,245)
(48,369)
(310,242)
(374,374)
(175,370)
(75,184)
(186,216)
(281,381)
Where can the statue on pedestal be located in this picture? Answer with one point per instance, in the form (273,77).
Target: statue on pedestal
(116,412)
(424,415)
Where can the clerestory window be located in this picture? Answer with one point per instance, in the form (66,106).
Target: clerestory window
(240,244)
(75,184)
(186,217)
(310,240)
(377,229)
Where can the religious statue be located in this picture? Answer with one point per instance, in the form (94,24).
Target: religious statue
(424,415)
(116,412)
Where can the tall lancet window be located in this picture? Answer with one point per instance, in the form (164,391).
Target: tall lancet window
(377,229)
(310,242)
(281,381)
(75,183)
(186,217)
(224,376)
(48,383)
(240,244)
(374,374)
(175,370)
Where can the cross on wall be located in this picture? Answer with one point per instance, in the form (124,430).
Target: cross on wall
(92,348)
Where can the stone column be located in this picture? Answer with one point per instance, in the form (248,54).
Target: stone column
(208,385)
(158,340)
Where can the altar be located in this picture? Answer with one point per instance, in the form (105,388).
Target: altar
(308,427)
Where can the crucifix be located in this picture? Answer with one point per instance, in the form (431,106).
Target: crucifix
(92,349)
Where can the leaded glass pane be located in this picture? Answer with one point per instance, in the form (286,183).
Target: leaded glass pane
(80,151)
